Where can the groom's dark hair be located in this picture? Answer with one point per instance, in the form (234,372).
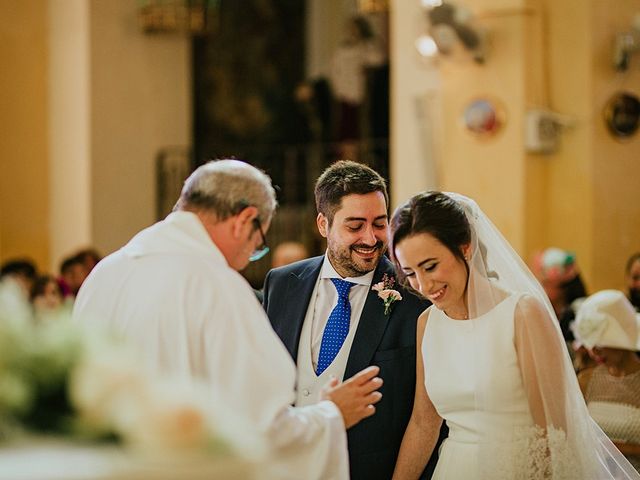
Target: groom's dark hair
(343,178)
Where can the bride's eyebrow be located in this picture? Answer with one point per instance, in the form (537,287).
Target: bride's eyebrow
(425,261)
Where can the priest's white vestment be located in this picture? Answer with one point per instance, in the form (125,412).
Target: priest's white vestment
(171,292)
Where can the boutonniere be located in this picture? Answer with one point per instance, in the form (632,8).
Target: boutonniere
(386,292)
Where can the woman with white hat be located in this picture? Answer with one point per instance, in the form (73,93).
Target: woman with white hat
(607,325)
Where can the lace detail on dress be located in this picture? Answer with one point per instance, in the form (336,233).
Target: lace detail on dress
(534,454)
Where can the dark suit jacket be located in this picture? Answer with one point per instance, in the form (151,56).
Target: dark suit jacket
(386,341)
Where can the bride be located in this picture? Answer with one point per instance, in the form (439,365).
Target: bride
(492,361)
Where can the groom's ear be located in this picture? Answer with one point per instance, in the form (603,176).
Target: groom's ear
(323,225)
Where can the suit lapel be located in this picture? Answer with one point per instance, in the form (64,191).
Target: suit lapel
(299,289)
(371,327)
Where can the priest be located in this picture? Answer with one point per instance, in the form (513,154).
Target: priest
(175,292)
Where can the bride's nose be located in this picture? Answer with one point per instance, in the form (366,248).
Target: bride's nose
(422,282)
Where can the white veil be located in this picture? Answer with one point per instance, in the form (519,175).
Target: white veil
(564,443)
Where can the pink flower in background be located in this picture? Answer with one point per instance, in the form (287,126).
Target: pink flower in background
(386,292)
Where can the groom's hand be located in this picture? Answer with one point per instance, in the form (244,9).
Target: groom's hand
(356,396)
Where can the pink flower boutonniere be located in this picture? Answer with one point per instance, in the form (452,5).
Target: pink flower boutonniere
(386,292)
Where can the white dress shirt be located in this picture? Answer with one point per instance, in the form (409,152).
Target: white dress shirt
(326,298)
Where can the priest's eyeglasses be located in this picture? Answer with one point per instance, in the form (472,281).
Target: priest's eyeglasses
(262,249)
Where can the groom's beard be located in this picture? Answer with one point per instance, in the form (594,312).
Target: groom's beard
(634,297)
(347,262)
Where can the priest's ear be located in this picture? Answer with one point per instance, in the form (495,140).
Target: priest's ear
(243,221)
(323,225)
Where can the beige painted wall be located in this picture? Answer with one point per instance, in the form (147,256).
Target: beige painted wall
(570,174)
(69,127)
(430,146)
(137,95)
(140,102)
(113,97)
(615,227)
(593,179)
(490,170)
(554,55)
(23,123)
(415,106)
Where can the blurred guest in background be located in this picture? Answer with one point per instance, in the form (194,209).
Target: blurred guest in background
(16,280)
(314,100)
(632,277)
(607,325)
(46,298)
(89,258)
(22,272)
(558,272)
(288,252)
(72,274)
(75,268)
(360,49)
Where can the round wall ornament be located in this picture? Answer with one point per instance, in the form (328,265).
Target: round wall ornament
(484,117)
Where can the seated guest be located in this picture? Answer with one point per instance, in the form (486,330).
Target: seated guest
(46,298)
(89,258)
(16,279)
(288,252)
(72,274)
(558,273)
(607,325)
(632,277)
(284,254)
(21,271)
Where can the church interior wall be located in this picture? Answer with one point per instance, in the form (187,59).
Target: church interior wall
(138,100)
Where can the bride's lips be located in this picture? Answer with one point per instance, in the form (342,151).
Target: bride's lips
(437,294)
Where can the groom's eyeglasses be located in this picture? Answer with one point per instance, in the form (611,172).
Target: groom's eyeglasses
(262,249)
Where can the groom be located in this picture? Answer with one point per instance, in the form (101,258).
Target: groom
(334,324)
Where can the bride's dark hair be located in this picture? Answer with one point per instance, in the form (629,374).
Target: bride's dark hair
(434,213)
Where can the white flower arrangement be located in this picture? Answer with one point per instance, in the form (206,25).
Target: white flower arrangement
(57,379)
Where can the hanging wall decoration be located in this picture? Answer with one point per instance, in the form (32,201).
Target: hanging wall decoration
(622,115)
(483,117)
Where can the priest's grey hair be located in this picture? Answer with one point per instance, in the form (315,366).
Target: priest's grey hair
(226,187)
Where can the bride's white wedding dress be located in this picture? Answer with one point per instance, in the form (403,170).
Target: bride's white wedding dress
(474,378)
(451,351)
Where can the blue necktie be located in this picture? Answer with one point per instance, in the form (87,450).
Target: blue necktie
(337,326)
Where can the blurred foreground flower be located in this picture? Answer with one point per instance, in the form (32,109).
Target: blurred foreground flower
(56,378)
(112,391)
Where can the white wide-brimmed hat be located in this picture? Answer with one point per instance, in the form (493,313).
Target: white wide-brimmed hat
(607,319)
